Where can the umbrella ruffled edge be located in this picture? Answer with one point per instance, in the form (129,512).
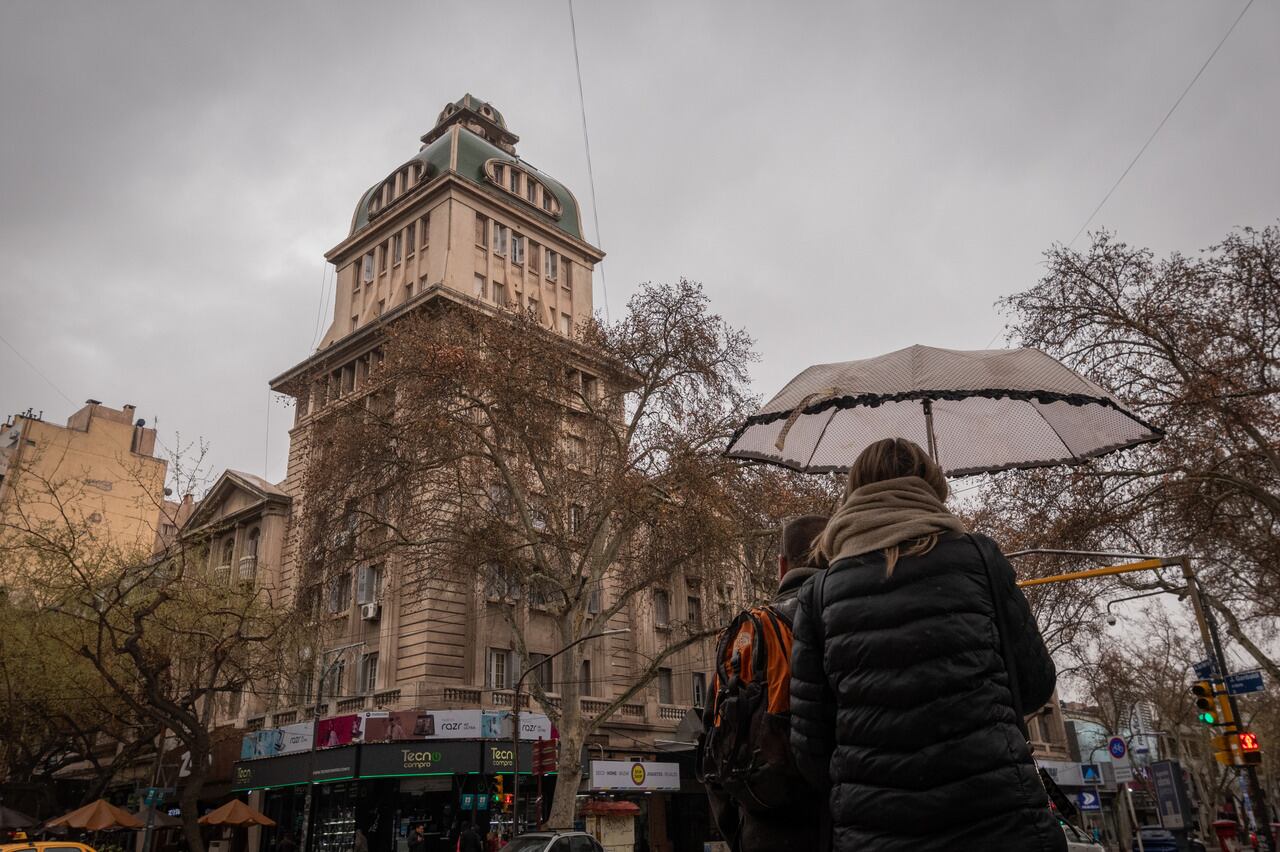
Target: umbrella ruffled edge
(873,400)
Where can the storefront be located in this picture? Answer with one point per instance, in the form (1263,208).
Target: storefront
(386,789)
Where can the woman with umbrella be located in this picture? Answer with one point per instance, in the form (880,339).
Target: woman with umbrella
(915,653)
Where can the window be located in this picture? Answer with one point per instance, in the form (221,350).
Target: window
(577,449)
(337,679)
(568,276)
(501,237)
(228,551)
(517,248)
(425,230)
(595,599)
(531,191)
(368,584)
(382,306)
(235,700)
(354,322)
(368,267)
(499,294)
(664,686)
(305,686)
(382,257)
(514,181)
(536,310)
(540,666)
(482,230)
(699,689)
(409,241)
(482,288)
(397,248)
(535,257)
(590,387)
(496,675)
(661,608)
(368,673)
(584,679)
(566,324)
(695,611)
(553,265)
(340,592)
(251,544)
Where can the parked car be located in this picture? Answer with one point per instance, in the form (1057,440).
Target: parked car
(1077,840)
(1157,839)
(554,841)
(45,846)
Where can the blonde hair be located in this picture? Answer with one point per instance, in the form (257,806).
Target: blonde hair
(892,458)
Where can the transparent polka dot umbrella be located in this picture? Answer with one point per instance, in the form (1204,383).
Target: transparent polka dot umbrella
(975,411)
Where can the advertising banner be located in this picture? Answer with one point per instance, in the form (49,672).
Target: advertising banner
(295,738)
(402,725)
(337,764)
(533,726)
(338,731)
(259,744)
(634,775)
(499,759)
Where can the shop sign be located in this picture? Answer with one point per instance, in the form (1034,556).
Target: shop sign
(634,775)
(257,744)
(336,765)
(533,726)
(273,772)
(402,725)
(381,759)
(499,758)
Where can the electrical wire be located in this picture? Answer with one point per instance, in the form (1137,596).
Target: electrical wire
(586,141)
(1160,126)
(36,369)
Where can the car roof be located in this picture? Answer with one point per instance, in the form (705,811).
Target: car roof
(42,844)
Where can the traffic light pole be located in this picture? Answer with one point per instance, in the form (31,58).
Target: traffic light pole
(1208,634)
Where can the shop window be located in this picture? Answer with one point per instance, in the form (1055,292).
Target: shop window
(368,673)
(496,670)
(699,689)
(664,687)
(661,608)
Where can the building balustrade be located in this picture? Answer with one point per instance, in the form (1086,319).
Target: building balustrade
(462,695)
(248,568)
(671,712)
(351,705)
(386,698)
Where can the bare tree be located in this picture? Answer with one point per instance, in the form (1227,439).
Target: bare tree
(568,478)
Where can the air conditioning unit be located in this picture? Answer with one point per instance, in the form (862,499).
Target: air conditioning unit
(370,611)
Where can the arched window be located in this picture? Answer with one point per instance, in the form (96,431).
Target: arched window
(251,545)
(515,180)
(228,551)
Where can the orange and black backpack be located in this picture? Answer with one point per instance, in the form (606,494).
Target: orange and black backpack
(746,743)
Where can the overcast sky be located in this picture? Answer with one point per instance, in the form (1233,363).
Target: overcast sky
(845,178)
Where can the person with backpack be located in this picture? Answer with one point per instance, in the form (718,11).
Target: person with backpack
(914,657)
(758,798)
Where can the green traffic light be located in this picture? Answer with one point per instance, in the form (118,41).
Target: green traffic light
(1207,718)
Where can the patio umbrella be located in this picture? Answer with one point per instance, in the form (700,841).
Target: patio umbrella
(97,816)
(9,818)
(975,411)
(235,812)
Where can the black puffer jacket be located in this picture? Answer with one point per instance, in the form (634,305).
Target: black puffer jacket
(901,704)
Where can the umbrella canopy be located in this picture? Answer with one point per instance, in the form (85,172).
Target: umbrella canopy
(975,411)
(159,819)
(97,816)
(235,812)
(9,818)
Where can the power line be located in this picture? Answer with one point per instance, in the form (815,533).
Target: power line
(586,141)
(1160,126)
(36,369)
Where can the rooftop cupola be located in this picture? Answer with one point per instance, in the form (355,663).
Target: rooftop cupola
(480,117)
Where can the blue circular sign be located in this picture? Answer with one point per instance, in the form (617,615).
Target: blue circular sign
(1117,747)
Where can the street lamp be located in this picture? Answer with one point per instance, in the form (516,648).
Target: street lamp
(515,720)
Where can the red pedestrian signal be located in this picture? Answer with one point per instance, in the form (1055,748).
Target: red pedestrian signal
(1248,741)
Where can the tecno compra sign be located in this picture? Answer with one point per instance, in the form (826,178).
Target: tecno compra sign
(388,759)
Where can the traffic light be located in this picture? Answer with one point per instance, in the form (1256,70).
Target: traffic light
(497,785)
(1250,751)
(1222,749)
(1205,709)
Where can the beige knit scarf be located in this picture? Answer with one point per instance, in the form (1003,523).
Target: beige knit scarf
(884,514)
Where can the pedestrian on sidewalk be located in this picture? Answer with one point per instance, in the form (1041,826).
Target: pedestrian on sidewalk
(757,796)
(902,698)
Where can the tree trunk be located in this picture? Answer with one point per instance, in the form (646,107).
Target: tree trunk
(573,733)
(189,799)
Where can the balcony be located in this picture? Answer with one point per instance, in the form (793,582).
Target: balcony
(504,698)
(248,568)
(594,706)
(353,705)
(462,695)
(671,712)
(386,698)
(282,719)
